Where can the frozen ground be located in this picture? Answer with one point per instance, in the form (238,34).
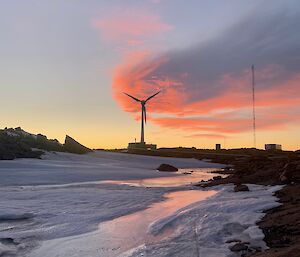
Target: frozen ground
(62,206)
(62,168)
(208,228)
(203,228)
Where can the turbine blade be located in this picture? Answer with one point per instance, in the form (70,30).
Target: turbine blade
(132,97)
(145,116)
(152,96)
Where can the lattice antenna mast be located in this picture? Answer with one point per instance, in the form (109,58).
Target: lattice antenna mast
(253,106)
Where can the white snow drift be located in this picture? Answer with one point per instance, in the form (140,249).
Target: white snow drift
(58,207)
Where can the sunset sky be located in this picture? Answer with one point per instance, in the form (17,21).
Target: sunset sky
(65,63)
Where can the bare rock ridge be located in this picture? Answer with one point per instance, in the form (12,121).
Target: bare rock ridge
(12,147)
(17,143)
(72,146)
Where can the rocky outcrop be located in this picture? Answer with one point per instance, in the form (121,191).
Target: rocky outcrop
(17,143)
(281,225)
(188,172)
(42,142)
(72,146)
(290,172)
(12,147)
(167,168)
(239,247)
(217,177)
(240,188)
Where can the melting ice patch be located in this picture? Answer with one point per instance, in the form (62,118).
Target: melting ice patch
(208,228)
(57,220)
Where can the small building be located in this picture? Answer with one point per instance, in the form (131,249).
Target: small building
(141,146)
(218,147)
(269,147)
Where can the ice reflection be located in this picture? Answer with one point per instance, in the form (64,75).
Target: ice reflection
(131,231)
(181,178)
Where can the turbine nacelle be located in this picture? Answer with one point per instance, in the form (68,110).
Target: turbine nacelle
(142,101)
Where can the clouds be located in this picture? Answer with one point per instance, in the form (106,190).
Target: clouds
(212,79)
(130,26)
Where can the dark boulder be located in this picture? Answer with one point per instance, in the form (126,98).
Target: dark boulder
(241,188)
(72,146)
(8,241)
(239,247)
(233,241)
(217,177)
(167,167)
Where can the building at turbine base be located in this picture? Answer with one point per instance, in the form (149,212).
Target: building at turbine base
(141,146)
(273,147)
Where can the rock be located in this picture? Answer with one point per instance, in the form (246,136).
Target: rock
(167,167)
(72,146)
(290,172)
(256,248)
(233,241)
(217,177)
(241,188)
(8,241)
(42,142)
(238,247)
(18,143)
(283,178)
(14,146)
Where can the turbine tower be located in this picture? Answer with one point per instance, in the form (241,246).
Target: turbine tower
(253,106)
(143,118)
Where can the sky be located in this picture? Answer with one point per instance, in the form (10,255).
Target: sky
(65,64)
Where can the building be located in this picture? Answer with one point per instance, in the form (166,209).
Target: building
(218,147)
(141,146)
(273,147)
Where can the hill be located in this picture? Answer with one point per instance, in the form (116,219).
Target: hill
(17,143)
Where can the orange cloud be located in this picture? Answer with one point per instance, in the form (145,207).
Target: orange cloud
(206,89)
(213,136)
(229,111)
(225,125)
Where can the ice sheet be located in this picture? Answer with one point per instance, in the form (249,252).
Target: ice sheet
(64,197)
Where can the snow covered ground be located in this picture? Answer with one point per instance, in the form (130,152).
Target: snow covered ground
(208,228)
(62,206)
(62,168)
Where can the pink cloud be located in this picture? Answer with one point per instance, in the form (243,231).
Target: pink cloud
(206,89)
(213,136)
(132,26)
(226,112)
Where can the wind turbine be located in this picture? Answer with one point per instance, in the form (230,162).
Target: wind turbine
(143,104)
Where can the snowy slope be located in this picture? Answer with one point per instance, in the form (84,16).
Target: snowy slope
(62,168)
(53,207)
(200,229)
(207,227)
